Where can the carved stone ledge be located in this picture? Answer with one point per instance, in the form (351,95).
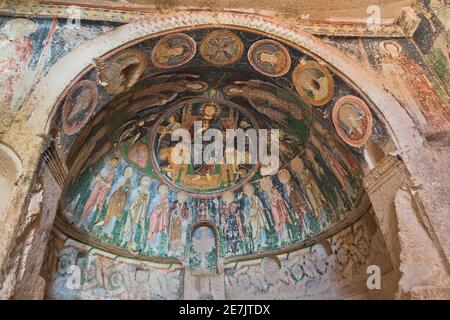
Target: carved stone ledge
(430,293)
(386,169)
(99,13)
(408,21)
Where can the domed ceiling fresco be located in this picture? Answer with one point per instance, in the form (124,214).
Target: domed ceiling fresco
(126,194)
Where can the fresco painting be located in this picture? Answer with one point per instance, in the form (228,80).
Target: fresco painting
(221,47)
(352,120)
(286,102)
(118,205)
(134,224)
(121,71)
(311,272)
(422,90)
(213,173)
(173,50)
(313,82)
(16,53)
(412,81)
(22,43)
(77,271)
(203,251)
(269,57)
(127,194)
(433,38)
(29,47)
(79,106)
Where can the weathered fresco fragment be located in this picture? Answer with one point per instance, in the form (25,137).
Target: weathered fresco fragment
(127,194)
(77,271)
(412,81)
(323,270)
(433,38)
(29,47)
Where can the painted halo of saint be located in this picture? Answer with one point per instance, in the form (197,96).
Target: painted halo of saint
(79,106)
(269,57)
(313,82)
(173,50)
(352,120)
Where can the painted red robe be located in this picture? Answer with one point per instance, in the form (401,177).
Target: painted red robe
(98,194)
(279,210)
(159,218)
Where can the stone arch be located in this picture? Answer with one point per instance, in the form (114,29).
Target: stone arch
(37,113)
(39,109)
(211,226)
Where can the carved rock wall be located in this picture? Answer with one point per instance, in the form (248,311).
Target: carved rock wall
(336,268)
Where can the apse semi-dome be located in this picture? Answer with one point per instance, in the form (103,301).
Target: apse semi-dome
(126,194)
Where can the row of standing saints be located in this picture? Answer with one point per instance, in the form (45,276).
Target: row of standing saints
(123,207)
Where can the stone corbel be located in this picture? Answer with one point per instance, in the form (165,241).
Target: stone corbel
(408,21)
(56,166)
(385,170)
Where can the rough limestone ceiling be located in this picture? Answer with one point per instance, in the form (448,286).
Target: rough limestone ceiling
(335,10)
(126,195)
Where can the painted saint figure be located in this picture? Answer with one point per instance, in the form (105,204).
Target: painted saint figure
(137,214)
(100,190)
(340,153)
(397,65)
(313,192)
(256,219)
(118,202)
(334,165)
(280,213)
(160,214)
(269,57)
(166,130)
(179,215)
(16,52)
(173,50)
(296,198)
(231,220)
(278,208)
(176,229)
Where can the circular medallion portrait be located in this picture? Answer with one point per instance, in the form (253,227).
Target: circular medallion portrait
(313,83)
(173,50)
(269,57)
(191,151)
(221,47)
(79,106)
(353,120)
